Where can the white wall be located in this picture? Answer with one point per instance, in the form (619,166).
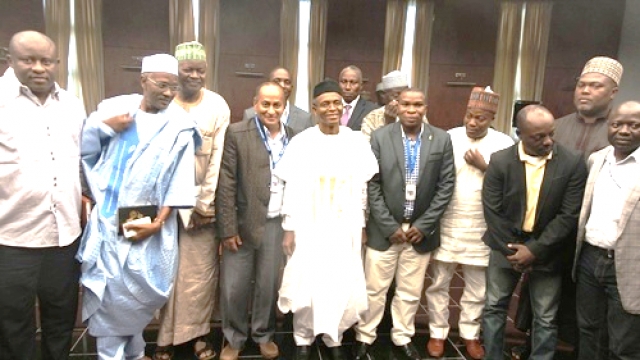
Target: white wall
(629,53)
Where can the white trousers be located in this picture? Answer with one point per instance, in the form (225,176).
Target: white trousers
(471,302)
(303,329)
(408,267)
(120,347)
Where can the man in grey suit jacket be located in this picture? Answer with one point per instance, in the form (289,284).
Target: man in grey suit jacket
(292,116)
(406,200)
(248,203)
(355,107)
(607,261)
(531,195)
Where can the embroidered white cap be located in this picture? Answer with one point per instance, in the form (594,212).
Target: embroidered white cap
(160,63)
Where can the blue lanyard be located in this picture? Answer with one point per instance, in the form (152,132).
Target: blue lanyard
(412,153)
(263,134)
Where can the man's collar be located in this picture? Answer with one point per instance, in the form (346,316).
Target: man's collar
(404,136)
(352,103)
(635,155)
(599,118)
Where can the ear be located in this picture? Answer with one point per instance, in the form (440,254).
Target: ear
(518,132)
(9,60)
(614,91)
(143,80)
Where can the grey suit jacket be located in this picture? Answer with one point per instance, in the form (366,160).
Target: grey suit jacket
(363,107)
(504,200)
(298,119)
(242,197)
(627,248)
(436,179)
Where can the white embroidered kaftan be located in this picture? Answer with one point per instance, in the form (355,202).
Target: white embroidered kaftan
(323,204)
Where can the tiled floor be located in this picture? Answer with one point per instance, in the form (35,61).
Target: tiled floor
(383,348)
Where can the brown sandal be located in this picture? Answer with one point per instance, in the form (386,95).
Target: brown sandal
(206,352)
(163,353)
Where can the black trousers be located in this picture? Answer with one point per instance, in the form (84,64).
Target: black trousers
(50,274)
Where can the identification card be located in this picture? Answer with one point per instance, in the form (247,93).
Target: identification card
(276,185)
(410,194)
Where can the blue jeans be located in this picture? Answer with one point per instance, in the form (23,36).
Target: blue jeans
(544,288)
(600,310)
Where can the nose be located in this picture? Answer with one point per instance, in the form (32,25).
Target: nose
(624,129)
(548,141)
(37,66)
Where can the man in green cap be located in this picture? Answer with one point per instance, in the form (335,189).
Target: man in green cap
(187,314)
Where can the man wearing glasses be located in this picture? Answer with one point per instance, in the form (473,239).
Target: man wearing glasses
(138,158)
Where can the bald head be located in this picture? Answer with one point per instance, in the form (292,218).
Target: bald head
(34,59)
(24,38)
(532,115)
(629,107)
(624,129)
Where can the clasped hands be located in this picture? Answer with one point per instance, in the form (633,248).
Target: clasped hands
(523,258)
(412,235)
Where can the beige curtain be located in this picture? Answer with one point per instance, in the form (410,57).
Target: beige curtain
(394,35)
(209,36)
(88,22)
(57,19)
(289,20)
(181,27)
(317,42)
(422,44)
(535,42)
(504,73)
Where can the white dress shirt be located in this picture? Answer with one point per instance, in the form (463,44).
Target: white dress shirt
(39,167)
(611,190)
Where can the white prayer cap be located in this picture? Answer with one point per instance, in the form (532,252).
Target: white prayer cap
(394,79)
(160,63)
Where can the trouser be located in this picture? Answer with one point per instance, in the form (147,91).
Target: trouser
(187,314)
(600,310)
(471,302)
(303,329)
(120,347)
(408,267)
(51,274)
(545,296)
(239,269)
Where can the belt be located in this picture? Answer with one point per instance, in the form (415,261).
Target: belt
(608,253)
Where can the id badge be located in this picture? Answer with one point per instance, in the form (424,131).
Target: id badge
(276,186)
(410,193)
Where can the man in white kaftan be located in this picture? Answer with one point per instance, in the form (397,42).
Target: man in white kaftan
(325,170)
(462,226)
(144,157)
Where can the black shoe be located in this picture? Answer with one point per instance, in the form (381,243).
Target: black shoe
(336,353)
(409,351)
(303,352)
(362,351)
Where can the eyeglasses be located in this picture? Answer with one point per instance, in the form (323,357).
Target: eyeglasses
(164,86)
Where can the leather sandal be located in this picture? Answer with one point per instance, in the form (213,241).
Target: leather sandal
(206,352)
(163,353)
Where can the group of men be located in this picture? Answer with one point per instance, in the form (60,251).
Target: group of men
(172,182)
